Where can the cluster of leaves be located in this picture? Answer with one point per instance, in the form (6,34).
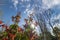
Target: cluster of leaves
(14,32)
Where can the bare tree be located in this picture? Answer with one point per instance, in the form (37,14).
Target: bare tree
(43,16)
(48,13)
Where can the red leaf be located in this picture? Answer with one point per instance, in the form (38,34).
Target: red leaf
(4,39)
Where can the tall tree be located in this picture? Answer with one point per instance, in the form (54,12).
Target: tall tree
(43,16)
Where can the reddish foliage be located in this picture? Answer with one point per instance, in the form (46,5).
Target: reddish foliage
(34,37)
(4,39)
(12,36)
(20,29)
(7,29)
(1,22)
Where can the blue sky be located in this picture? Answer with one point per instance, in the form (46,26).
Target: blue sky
(8,9)
(11,7)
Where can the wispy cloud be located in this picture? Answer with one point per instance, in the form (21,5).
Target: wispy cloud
(15,3)
(25,0)
(29,11)
(55,19)
(51,3)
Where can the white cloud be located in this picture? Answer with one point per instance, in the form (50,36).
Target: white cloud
(25,0)
(57,17)
(15,2)
(29,11)
(57,25)
(50,3)
(28,6)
